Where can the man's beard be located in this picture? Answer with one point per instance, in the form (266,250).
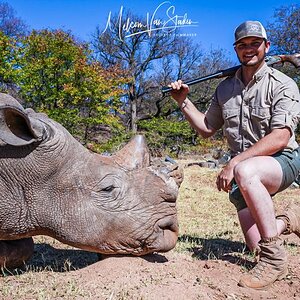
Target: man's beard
(252,64)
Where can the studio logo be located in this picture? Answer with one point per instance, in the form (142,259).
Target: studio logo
(152,24)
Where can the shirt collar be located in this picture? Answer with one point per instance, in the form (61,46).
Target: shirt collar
(261,72)
(257,76)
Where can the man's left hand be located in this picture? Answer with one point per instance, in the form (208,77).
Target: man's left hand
(225,178)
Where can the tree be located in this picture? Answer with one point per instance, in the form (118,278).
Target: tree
(10,24)
(182,63)
(56,75)
(11,28)
(284,33)
(8,53)
(137,54)
(215,60)
(166,129)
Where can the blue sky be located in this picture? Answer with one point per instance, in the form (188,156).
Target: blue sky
(214,21)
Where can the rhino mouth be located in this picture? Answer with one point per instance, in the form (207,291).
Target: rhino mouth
(166,231)
(162,239)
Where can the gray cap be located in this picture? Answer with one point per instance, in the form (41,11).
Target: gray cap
(249,28)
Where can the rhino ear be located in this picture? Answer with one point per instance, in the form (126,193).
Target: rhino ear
(16,128)
(134,155)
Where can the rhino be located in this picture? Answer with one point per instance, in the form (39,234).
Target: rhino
(50,184)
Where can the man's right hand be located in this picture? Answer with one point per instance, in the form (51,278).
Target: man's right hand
(179,92)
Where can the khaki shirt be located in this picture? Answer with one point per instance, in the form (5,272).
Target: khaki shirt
(270,100)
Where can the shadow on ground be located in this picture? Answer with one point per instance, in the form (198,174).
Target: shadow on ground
(218,248)
(48,258)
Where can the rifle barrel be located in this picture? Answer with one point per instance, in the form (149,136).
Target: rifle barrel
(270,60)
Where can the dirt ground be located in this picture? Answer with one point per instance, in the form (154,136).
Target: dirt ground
(179,276)
(170,275)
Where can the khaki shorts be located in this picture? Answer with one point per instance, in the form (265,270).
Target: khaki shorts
(290,165)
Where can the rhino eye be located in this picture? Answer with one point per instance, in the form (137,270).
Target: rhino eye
(109,188)
(108,192)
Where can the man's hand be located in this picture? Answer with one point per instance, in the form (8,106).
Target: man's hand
(179,92)
(225,178)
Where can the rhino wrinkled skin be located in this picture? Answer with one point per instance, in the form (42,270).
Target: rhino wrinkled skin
(51,185)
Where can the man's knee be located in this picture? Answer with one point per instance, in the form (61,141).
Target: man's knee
(241,171)
(245,172)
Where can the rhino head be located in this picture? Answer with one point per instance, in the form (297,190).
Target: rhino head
(51,185)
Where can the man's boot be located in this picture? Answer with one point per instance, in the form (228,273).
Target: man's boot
(291,218)
(272,265)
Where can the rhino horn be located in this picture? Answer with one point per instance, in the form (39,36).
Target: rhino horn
(134,155)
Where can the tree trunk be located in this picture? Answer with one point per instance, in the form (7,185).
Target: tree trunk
(134,115)
(133,108)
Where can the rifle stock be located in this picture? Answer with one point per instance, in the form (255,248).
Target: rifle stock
(294,59)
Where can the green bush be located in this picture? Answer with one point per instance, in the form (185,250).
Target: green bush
(168,136)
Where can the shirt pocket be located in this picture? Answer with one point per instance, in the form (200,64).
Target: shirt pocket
(260,121)
(231,123)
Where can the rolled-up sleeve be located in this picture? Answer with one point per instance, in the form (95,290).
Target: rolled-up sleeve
(286,106)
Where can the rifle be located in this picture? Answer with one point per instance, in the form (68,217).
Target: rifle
(294,59)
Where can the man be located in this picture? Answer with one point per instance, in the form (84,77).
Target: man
(259,108)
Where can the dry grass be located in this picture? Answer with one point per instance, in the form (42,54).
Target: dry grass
(208,222)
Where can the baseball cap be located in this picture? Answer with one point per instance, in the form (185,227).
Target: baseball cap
(249,28)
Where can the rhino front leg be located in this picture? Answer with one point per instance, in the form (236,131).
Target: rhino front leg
(14,253)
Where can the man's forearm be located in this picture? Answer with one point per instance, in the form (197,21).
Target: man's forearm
(273,142)
(196,119)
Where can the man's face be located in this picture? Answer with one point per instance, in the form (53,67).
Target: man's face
(251,50)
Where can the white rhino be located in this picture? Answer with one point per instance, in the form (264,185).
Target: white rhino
(51,185)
